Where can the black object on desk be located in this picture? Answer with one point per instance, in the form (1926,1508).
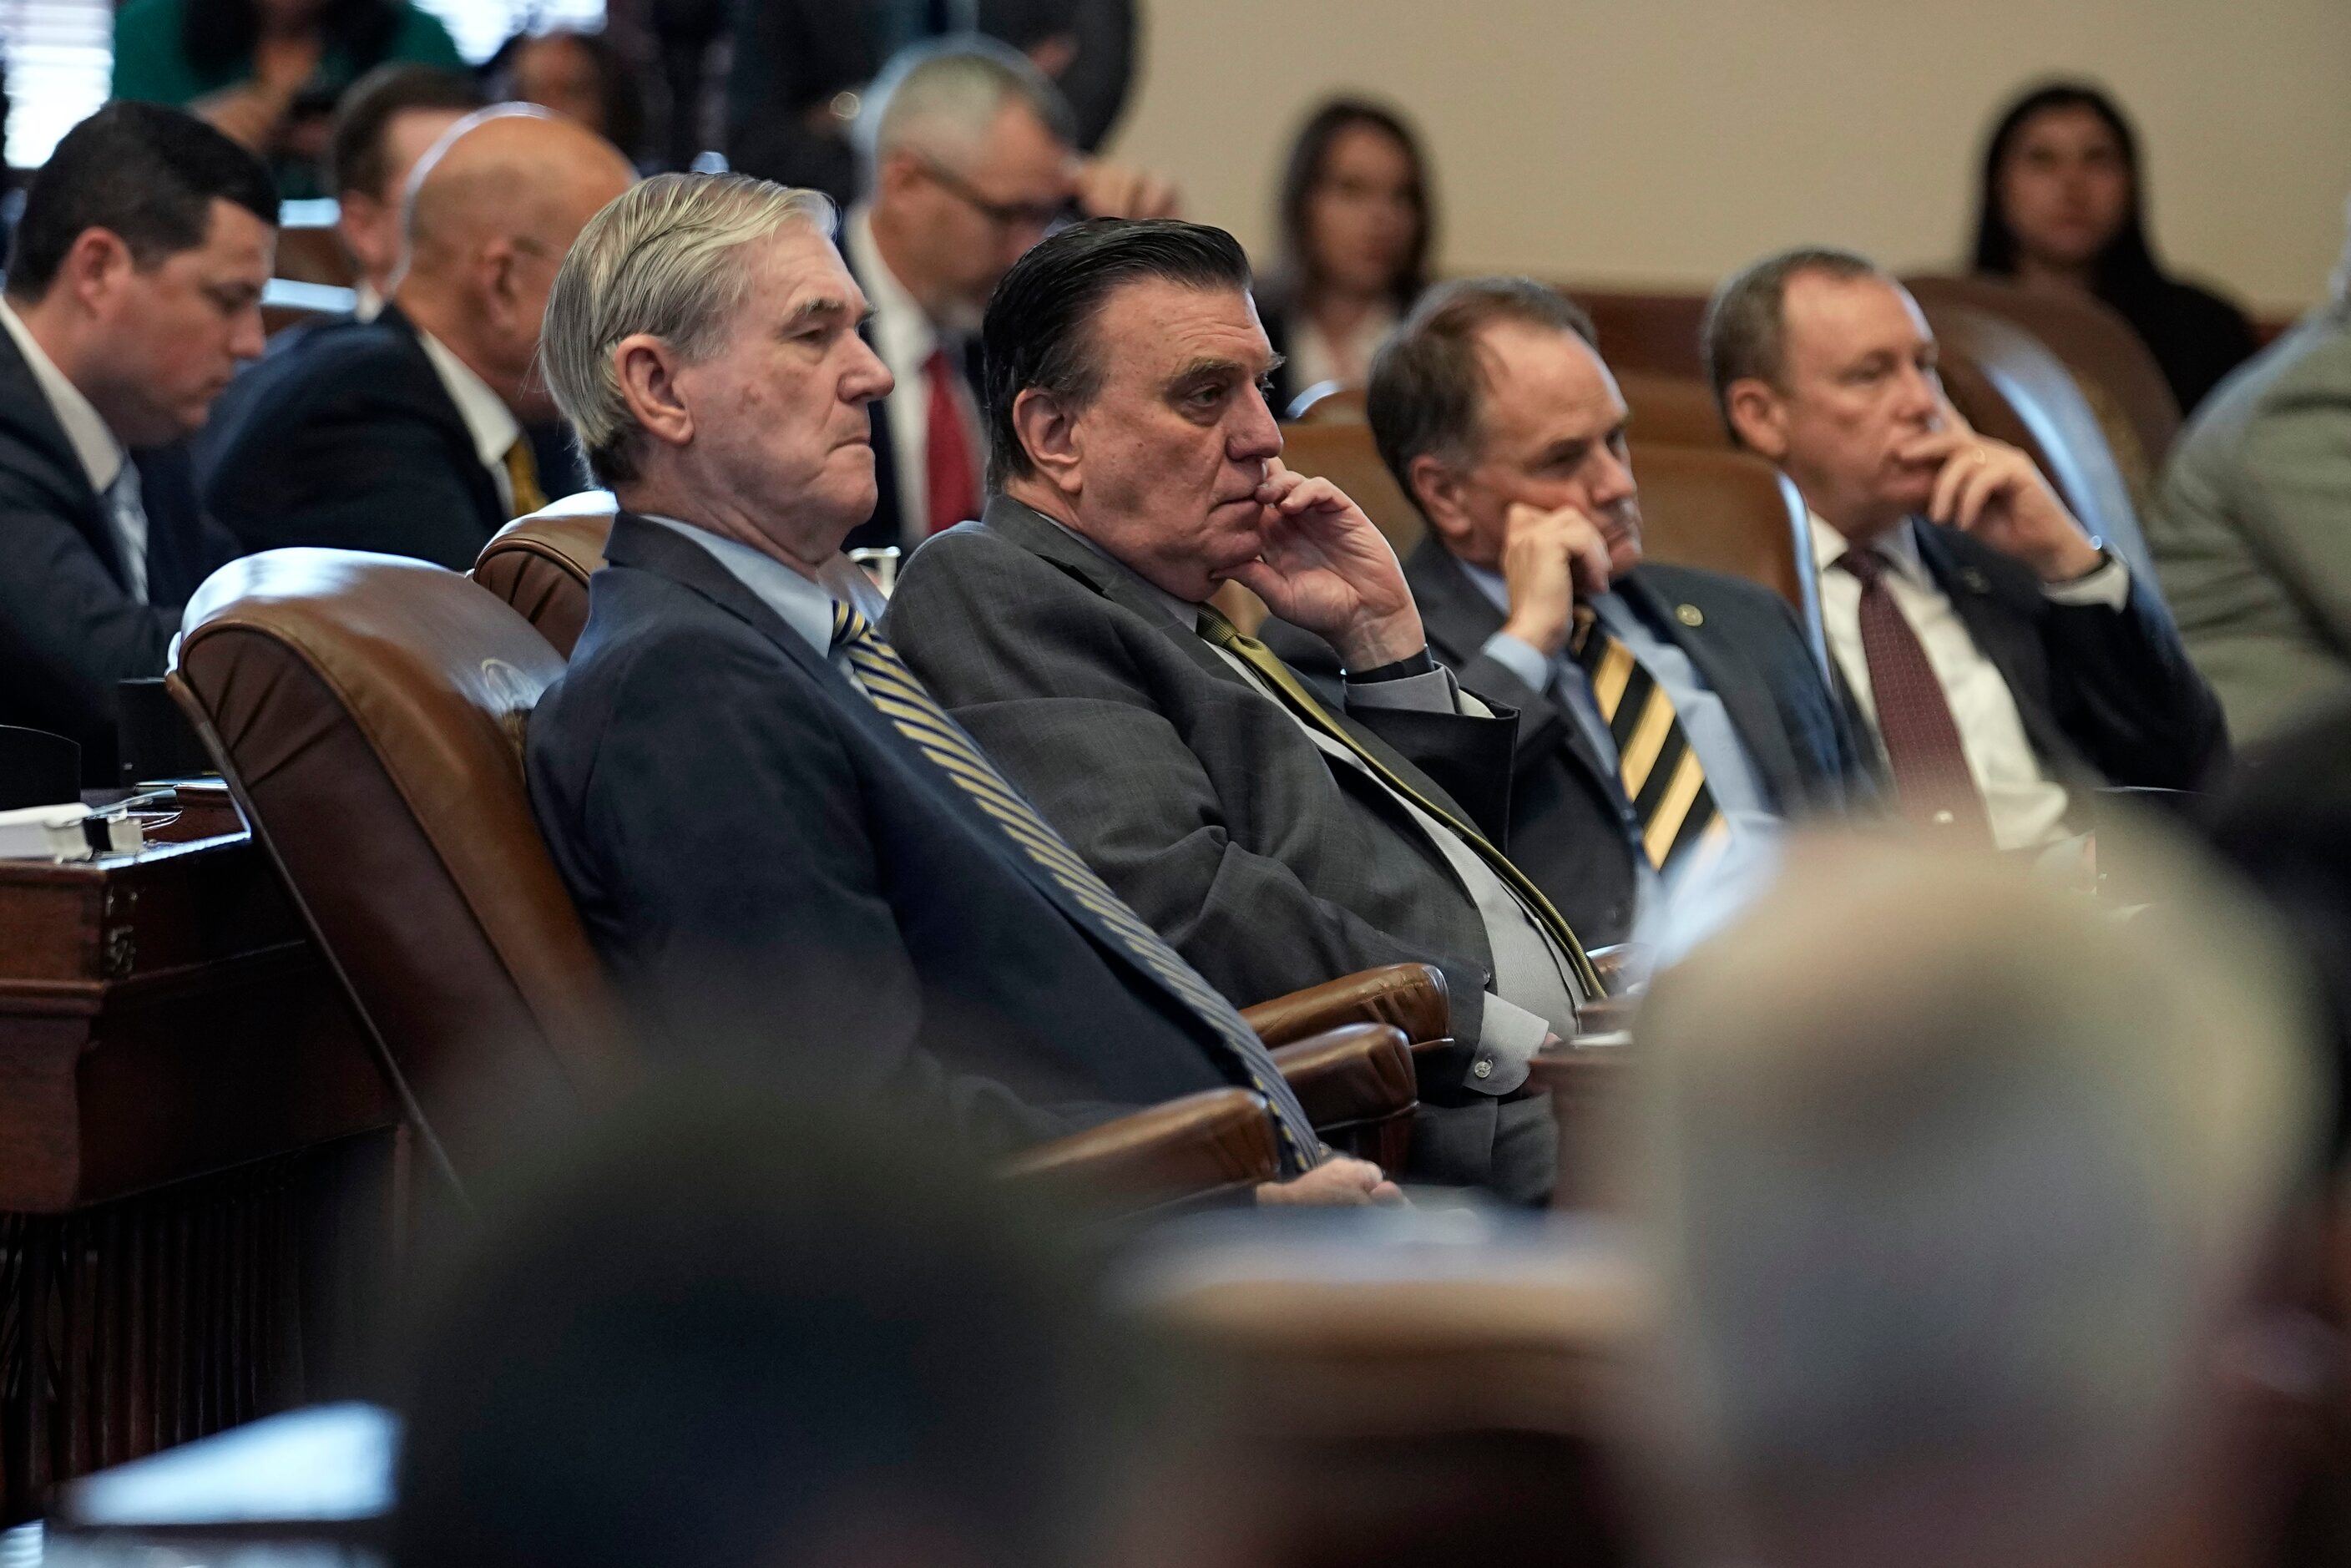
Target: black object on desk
(154,738)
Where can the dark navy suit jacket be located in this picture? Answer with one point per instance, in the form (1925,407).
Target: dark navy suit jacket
(70,629)
(774,874)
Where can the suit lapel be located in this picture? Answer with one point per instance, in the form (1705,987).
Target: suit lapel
(1744,691)
(649,547)
(27,408)
(434,394)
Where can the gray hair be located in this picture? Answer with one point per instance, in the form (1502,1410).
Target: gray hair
(660,260)
(1951,1180)
(942,97)
(1744,335)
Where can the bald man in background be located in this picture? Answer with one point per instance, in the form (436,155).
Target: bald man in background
(405,435)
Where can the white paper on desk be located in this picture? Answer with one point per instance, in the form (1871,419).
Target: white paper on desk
(61,833)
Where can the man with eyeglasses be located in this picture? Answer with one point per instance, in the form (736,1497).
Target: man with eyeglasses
(970,159)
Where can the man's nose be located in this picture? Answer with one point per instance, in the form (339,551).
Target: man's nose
(1255,436)
(249,336)
(867,380)
(1613,484)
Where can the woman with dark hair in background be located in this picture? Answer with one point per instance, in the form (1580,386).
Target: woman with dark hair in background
(2063,207)
(1357,222)
(579,74)
(267,72)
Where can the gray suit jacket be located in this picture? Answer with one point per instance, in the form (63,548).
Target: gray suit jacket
(1202,803)
(2252,529)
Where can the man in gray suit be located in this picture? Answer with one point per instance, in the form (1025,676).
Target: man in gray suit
(2251,527)
(1271,840)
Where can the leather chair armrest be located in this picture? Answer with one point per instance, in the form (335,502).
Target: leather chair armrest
(1410,996)
(1356,1084)
(1203,1145)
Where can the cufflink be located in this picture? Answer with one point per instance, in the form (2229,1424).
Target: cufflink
(1689,615)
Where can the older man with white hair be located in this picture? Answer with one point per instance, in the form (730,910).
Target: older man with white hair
(1960,1192)
(784,849)
(969,161)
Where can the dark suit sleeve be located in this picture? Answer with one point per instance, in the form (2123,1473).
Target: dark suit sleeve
(733,833)
(354,472)
(2127,697)
(67,631)
(1044,683)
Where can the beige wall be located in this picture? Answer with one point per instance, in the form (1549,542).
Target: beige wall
(1662,141)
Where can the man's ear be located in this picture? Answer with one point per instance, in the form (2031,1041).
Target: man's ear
(645,367)
(1759,416)
(362,223)
(96,262)
(1438,489)
(895,174)
(1050,434)
(497,268)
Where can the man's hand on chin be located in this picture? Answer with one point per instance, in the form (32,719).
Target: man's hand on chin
(1322,566)
(1335,1183)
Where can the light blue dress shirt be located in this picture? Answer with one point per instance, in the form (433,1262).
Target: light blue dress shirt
(804,604)
(1730,774)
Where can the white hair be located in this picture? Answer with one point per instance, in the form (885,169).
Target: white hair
(1950,1178)
(658,260)
(943,98)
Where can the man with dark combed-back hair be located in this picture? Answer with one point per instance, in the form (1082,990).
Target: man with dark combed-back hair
(1271,839)
(134,288)
(1668,718)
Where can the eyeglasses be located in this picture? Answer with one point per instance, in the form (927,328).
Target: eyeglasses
(1003,214)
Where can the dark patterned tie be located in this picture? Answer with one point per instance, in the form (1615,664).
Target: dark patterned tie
(890,687)
(1655,761)
(1914,716)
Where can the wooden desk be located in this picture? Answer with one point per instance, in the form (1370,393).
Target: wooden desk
(198,1160)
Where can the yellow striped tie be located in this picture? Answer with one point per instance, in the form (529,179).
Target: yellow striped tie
(1655,761)
(1222,633)
(522,478)
(890,687)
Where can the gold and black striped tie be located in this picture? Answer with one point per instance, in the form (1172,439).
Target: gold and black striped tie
(1655,761)
(890,687)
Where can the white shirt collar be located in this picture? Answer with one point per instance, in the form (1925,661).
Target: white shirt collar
(92,439)
(487,418)
(903,334)
(366,303)
(1898,545)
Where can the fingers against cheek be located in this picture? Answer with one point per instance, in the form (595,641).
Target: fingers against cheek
(1946,490)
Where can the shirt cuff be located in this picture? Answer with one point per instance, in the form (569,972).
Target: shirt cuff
(2109,586)
(1508,1038)
(1432,692)
(1520,657)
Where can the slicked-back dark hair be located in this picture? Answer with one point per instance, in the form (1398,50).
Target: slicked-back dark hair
(1429,384)
(144,173)
(1037,332)
(356,157)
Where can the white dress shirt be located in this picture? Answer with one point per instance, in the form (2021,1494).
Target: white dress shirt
(905,339)
(2025,805)
(94,443)
(487,418)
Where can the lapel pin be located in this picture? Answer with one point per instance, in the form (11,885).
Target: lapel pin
(1689,615)
(1977,582)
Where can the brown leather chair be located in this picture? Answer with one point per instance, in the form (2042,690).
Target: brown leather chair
(2012,388)
(1729,512)
(2112,367)
(367,711)
(1650,332)
(540,564)
(1672,410)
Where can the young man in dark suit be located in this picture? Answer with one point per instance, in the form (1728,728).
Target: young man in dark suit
(407,434)
(774,836)
(1664,714)
(2005,660)
(133,291)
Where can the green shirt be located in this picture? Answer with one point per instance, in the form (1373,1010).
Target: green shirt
(150,66)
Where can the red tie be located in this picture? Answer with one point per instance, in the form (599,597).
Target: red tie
(952,481)
(1914,717)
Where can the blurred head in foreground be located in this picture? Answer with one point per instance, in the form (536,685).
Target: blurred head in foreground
(1960,1186)
(729,1335)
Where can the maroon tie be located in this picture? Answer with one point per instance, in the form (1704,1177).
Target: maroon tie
(1914,718)
(952,484)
